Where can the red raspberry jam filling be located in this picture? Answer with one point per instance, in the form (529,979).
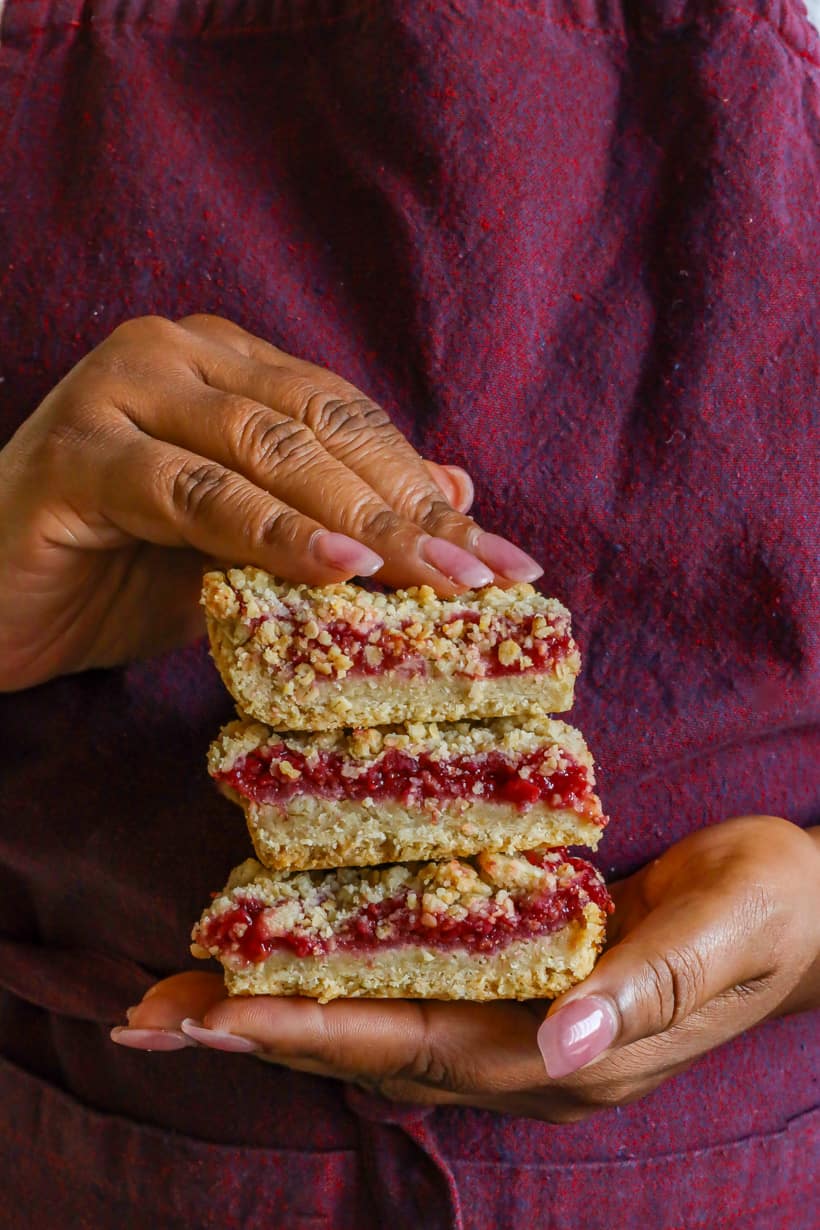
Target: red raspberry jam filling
(397,652)
(240,933)
(396,775)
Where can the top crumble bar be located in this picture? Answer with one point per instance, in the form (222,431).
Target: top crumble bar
(303,658)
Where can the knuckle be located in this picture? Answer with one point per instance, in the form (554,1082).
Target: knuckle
(379,523)
(280,526)
(58,448)
(674,984)
(144,331)
(436,1065)
(216,330)
(132,352)
(429,1067)
(77,420)
(75,423)
(195,487)
(434,513)
(200,320)
(268,440)
(328,415)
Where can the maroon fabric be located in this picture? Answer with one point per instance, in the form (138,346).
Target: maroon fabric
(570,244)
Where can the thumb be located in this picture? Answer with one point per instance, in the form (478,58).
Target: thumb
(679,957)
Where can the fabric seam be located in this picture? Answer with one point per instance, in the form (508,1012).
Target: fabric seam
(296,26)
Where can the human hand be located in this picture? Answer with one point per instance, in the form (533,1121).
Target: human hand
(172,445)
(715,936)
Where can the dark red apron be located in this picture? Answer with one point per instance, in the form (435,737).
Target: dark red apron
(572,245)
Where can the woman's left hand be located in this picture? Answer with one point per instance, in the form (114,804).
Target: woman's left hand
(720,933)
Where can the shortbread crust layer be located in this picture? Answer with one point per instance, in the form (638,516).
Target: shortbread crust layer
(416,792)
(494,927)
(539,968)
(302,658)
(319,835)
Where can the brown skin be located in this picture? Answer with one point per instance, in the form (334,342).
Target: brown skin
(175,444)
(720,933)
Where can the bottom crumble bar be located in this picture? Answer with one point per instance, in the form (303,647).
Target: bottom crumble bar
(495,927)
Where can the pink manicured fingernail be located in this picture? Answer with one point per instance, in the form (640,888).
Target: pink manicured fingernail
(576,1034)
(339,551)
(460,566)
(150,1039)
(216,1039)
(506,559)
(463,478)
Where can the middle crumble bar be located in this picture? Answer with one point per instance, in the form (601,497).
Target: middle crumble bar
(300,658)
(422,791)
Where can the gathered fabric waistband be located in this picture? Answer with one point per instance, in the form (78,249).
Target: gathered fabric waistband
(21,19)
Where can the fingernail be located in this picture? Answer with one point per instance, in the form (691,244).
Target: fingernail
(150,1039)
(460,566)
(463,478)
(339,551)
(506,559)
(576,1034)
(216,1039)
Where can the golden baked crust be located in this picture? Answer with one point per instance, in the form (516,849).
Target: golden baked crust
(306,830)
(281,651)
(540,968)
(320,834)
(319,912)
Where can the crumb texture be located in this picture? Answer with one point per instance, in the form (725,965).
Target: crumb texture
(422,791)
(410,799)
(531,969)
(268,929)
(303,658)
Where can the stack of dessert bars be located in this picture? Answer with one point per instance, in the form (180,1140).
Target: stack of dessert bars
(409,798)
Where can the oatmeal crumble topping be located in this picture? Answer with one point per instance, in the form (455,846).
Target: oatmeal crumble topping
(327,632)
(321,905)
(514,737)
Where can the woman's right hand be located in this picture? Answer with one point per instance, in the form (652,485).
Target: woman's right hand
(174,445)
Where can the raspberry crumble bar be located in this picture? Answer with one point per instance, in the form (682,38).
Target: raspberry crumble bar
(420,791)
(494,927)
(302,658)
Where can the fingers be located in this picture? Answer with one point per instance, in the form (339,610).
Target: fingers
(683,955)
(455,483)
(175,498)
(459,1048)
(435,1053)
(361,437)
(282,456)
(324,454)
(168,1002)
(155,1024)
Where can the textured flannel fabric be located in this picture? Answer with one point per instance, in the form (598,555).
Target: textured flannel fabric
(571,245)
